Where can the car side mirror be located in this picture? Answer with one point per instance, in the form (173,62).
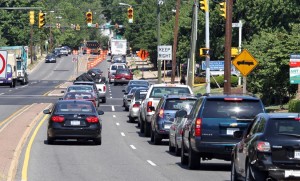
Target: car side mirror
(60,98)
(238,134)
(100,112)
(62,91)
(46,111)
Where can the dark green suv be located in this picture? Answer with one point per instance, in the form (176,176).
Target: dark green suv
(211,123)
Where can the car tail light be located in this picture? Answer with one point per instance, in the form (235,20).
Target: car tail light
(57,119)
(161,113)
(263,146)
(181,131)
(136,105)
(92,119)
(149,104)
(104,88)
(198,127)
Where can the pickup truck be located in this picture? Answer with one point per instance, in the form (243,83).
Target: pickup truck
(154,94)
(101,87)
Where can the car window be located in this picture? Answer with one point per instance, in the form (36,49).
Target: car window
(176,104)
(71,107)
(254,127)
(113,67)
(74,89)
(285,126)
(195,108)
(219,108)
(158,92)
(122,71)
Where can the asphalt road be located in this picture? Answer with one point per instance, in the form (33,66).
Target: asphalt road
(123,155)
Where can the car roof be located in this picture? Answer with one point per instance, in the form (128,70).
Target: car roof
(237,96)
(83,82)
(188,96)
(80,85)
(169,85)
(74,101)
(138,81)
(280,115)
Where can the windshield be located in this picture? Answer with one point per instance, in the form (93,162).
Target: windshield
(74,107)
(218,108)
(158,92)
(284,126)
(176,104)
(77,89)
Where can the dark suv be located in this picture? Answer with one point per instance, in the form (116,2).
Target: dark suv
(211,123)
(161,120)
(269,149)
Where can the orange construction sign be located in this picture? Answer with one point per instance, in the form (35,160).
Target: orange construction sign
(143,54)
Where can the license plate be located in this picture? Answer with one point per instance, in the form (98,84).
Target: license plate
(123,78)
(230,131)
(75,123)
(1,81)
(167,126)
(294,173)
(297,154)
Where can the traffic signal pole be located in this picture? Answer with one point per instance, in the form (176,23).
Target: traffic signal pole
(158,42)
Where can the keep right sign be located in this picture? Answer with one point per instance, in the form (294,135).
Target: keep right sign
(3,62)
(245,62)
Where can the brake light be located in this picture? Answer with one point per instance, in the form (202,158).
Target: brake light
(198,127)
(234,99)
(57,119)
(92,119)
(136,105)
(297,119)
(104,88)
(149,104)
(161,113)
(263,146)
(94,102)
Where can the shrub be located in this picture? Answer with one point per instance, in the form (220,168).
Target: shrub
(220,81)
(294,105)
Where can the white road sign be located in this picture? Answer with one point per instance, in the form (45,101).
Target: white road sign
(164,52)
(3,61)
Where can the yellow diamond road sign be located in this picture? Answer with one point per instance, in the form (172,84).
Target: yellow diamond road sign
(245,62)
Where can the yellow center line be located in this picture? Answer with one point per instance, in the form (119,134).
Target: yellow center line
(28,149)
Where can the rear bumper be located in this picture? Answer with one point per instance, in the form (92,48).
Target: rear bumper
(102,94)
(121,80)
(134,112)
(74,133)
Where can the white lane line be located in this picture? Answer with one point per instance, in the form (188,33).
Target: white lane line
(1,93)
(113,108)
(123,134)
(114,116)
(118,124)
(133,147)
(109,91)
(10,90)
(151,163)
(111,97)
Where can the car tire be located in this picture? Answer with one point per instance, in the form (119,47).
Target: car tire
(147,129)
(177,149)
(142,127)
(115,84)
(131,120)
(126,108)
(98,141)
(104,100)
(157,140)
(252,174)
(152,137)
(171,148)
(194,159)
(184,158)
(50,140)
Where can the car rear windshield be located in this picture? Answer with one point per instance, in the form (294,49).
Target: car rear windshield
(84,89)
(74,107)
(284,126)
(176,104)
(219,108)
(158,92)
(122,71)
(78,95)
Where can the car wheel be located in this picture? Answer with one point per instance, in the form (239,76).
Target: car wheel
(130,119)
(194,159)
(252,174)
(104,100)
(50,140)
(152,137)
(115,84)
(184,158)
(98,141)
(157,140)
(171,148)
(147,129)
(126,108)
(233,174)
(142,127)
(12,84)
(177,149)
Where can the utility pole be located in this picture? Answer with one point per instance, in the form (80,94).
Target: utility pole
(159,2)
(31,44)
(175,42)
(228,41)
(207,57)
(190,80)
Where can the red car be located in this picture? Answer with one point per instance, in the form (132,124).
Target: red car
(123,76)
(80,96)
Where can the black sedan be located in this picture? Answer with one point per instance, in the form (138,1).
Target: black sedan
(269,149)
(74,119)
(50,58)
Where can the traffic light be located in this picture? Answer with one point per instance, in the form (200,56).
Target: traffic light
(204,52)
(130,15)
(42,21)
(31,17)
(89,17)
(204,5)
(223,9)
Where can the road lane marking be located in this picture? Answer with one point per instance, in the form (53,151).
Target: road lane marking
(113,108)
(118,124)
(151,163)
(123,134)
(1,93)
(114,116)
(133,147)
(110,97)
(28,149)
(15,114)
